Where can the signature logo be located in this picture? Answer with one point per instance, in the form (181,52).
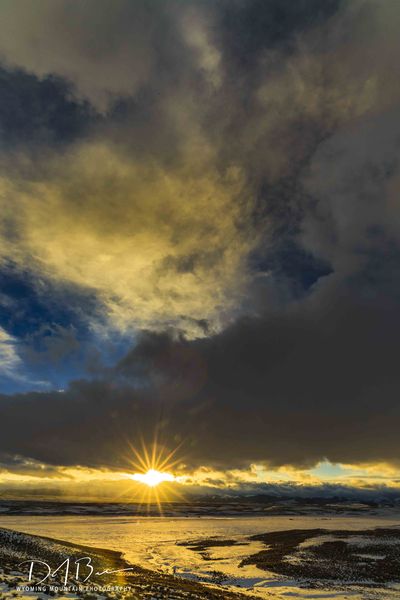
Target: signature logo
(80,569)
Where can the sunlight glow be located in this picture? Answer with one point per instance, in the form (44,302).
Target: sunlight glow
(153,477)
(152,464)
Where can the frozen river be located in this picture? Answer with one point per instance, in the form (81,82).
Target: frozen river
(152,543)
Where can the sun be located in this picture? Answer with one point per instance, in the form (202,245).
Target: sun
(153,466)
(153,477)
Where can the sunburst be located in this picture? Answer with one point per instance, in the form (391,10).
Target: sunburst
(153,467)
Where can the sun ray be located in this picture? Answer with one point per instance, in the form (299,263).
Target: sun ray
(153,468)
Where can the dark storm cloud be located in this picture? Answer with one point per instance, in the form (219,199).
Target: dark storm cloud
(113,48)
(39,111)
(250,27)
(27,467)
(318,381)
(107,48)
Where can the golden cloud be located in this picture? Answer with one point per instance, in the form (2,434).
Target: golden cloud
(157,246)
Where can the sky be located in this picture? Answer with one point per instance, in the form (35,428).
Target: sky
(199,244)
